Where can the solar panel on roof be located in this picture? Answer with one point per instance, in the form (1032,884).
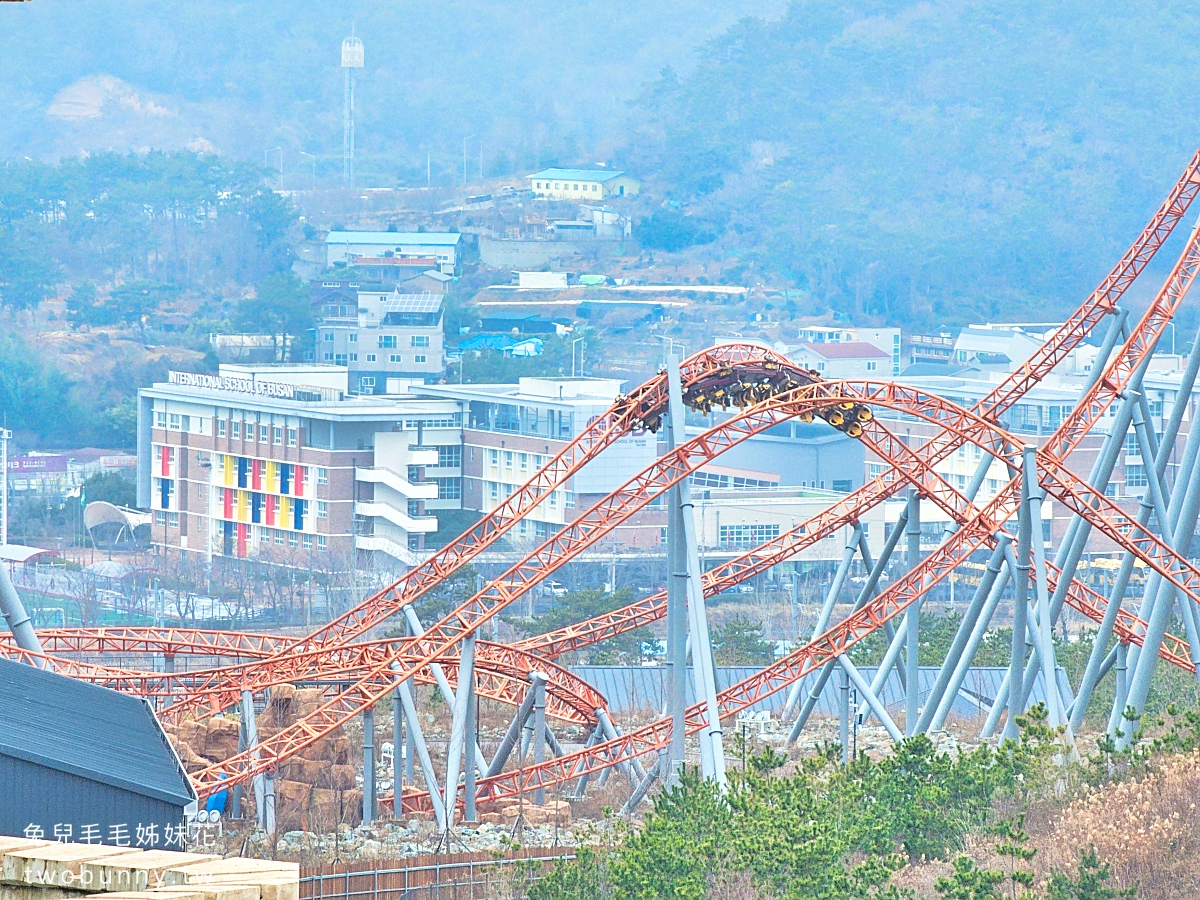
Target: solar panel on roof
(414,303)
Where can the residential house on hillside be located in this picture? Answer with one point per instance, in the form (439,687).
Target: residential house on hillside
(582,184)
(856,359)
(347,247)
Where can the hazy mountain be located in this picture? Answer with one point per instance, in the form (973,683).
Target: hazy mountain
(540,79)
(933,161)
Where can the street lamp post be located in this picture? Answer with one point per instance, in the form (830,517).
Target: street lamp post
(314,168)
(467,138)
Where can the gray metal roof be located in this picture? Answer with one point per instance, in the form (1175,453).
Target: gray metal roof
(86,730)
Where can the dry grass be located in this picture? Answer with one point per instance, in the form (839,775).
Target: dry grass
(1145,829)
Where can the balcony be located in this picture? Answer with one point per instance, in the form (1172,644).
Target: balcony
(398,517)
(426,490)
(390,547)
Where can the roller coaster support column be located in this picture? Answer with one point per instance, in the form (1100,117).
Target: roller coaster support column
(458,726)
(265,812)
(581,785)
(18,620)
(835,588)
(368,719)
(643,786)
(1016,666)
(1164,603)
(513,732)
(1122,679)
(702,659)
(962,637)
(843,705)
(676,619)
(470,744)
(868,591)
(427,769)
(1157,491)
(1054,702)
(539,734)
(962,662)
(870,697)
(397,750)
(416,629)
(912,618)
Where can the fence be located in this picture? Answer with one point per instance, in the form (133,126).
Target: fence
(454,876)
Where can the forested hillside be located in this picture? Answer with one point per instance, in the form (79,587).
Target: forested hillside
(538,80)
(935,161)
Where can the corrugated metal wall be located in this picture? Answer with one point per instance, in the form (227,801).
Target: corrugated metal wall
(642,689)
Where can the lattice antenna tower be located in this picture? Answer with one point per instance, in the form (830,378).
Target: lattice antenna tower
(353,57)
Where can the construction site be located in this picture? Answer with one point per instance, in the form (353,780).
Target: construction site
(446,730)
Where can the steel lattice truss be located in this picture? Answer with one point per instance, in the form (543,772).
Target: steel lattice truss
(764,389)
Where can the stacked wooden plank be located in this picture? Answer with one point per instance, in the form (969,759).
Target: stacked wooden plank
(44,870)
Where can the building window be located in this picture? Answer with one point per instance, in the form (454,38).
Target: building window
(279,537)
(387,342)
(494,490)
(278,436)
(420,358)
(307,542)
(328,357)
(872,365)
(322,542)
(420,340)
(569,499)
(743,537)
(236,429)
(353,338)
(322,509)
(262,433)
(494,457)
(160,419)
(449,488)
(370,357)
(264,535)
(339,359)
(173,520)
(1135,477)
(176,422)
(329,337)
(524,460)
(366,384)
(322,475)
(293,539)
(353,357)
(395,357)
(160,518)
(291,437)
(449,456)
(220,428)
(844,487)
(508,459)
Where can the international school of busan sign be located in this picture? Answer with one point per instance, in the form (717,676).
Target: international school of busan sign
(235,384)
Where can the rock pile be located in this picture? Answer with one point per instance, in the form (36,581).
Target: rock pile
(314,791)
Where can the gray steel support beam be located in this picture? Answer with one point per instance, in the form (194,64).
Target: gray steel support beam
(631,767)
(397,749)
(269,802)
(427,769)
(676,625)
(539,735)
(513,733)
(870,697)
(835,588)
(581,784)
(912,618)
(702,659)
(416,629)
(250,726)
(14,613)
(368,719)
(458,726)
(642,788)
(1045,623)
(843,705)
(1020,566)
(963,664)
(962,637)
(470,763)
(878,567)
